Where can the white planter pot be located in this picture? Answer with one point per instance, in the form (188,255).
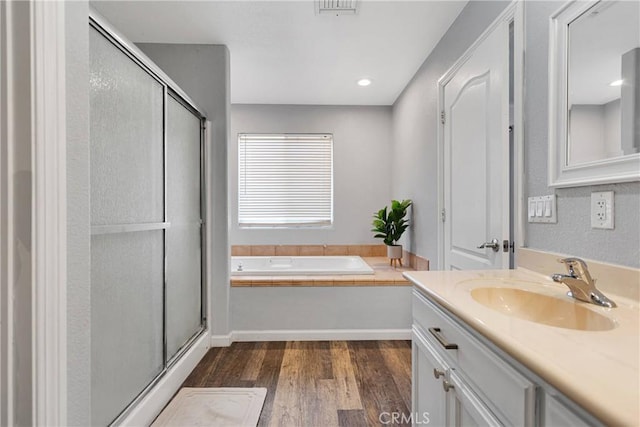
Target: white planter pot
(394,251)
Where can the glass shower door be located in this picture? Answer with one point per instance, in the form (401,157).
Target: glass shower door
(127,227)
(184,256)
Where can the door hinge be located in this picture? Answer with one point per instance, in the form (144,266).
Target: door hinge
(442,116)
(443,215)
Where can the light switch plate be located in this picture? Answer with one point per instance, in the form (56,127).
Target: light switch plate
(542,209)
(602,212)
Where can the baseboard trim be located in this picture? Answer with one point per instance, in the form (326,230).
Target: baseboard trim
(156,399)
(222,340)
(322,335)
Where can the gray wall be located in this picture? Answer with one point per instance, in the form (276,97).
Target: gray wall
(362,177)
(572,234)
(78,217)
(594,132)
(414,160)
(202,71)
(415,125)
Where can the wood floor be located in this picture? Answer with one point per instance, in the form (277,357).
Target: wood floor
(316,383)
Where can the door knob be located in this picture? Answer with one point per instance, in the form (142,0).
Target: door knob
(494,244)
(446,385)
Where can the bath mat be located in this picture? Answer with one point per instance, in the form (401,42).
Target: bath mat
(224,407)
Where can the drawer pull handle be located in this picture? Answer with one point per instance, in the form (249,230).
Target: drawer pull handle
(443,342)
(437,373)
(446,385)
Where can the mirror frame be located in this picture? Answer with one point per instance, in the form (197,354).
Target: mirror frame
(605,171)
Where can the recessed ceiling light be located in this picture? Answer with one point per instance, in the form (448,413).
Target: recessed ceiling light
(616,83)
(364,82)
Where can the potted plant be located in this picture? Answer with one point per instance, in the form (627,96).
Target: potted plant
(389,225)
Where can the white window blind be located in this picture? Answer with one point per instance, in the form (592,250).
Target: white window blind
(285,180)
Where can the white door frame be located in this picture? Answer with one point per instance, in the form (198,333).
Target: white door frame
(49,218)
(40,32)
(514,13)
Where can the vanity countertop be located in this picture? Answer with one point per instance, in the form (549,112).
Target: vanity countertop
(599,370)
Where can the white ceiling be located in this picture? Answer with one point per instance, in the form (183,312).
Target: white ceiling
(282,52)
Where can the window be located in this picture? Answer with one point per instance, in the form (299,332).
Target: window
(285,180)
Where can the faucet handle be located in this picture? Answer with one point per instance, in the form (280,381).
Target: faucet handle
(580,283)
(582,269)
(568,263)
(571,261)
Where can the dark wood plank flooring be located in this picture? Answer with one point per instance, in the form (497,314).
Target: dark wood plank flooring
(316,383)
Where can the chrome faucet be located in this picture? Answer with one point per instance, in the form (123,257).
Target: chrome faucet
(582,286)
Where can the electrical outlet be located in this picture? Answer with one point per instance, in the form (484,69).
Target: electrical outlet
(602,210)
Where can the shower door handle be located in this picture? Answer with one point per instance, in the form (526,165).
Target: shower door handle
(494,244)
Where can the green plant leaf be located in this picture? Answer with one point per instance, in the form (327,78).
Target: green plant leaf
(390,224)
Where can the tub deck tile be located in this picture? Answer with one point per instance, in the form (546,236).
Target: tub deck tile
(312,250)
(384,275)
(282,280)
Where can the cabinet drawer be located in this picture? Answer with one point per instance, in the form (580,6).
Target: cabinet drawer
(508,393)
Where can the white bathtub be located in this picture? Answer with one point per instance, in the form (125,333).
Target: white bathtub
(298,265)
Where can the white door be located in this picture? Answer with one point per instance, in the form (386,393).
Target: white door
(476,156)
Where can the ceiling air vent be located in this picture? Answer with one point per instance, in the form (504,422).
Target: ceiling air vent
(336,7)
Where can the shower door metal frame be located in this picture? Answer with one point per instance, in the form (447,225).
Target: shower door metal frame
(170,89)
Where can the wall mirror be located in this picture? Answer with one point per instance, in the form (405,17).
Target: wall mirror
(594,93)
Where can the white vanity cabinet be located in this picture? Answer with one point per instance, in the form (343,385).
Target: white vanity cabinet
(429,400)
(460,379)
(558,414)
(443,398)
(474,386)
(518,370)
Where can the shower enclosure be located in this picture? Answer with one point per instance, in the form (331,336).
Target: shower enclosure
(147,244)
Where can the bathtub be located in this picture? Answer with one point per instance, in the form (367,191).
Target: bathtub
(298,265)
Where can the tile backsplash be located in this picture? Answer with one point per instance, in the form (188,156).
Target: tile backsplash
(409,259)
(309,250)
